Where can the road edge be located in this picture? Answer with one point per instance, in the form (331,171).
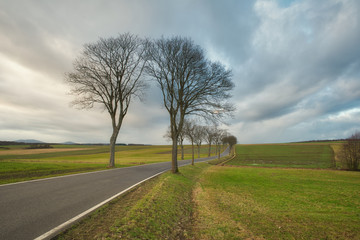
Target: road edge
(55,231)
(62,227)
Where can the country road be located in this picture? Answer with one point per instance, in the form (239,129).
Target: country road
(30,209)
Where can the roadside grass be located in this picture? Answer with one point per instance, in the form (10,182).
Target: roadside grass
(20,164)
(97,225)
(159,209)
(298,155)
(270,203)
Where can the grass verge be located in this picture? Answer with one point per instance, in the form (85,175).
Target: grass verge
(161,208)
(213,202)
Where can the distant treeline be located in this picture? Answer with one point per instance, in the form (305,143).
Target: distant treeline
(31,145)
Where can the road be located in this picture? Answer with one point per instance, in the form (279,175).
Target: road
(30,209)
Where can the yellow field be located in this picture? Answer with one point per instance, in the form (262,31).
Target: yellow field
(18,163)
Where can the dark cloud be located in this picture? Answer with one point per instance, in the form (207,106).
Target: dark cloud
(295,65)
(305,58)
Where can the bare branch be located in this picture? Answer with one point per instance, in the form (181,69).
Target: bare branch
(190,84)
(109,72)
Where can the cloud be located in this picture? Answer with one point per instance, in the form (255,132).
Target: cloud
(295,65)
(304,60)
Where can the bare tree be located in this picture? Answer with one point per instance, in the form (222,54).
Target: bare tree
(190,84)
(180,140)
(108,72)
(188,131)
(351,152)
(209,136)
(219,135)
(199,135)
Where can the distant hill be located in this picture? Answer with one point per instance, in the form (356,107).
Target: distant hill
(69,143)
(28,141)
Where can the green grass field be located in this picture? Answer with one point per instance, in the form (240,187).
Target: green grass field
(270,203)
(17,163)
(298,155)
(212,202)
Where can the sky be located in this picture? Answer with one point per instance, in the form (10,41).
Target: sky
(295,65)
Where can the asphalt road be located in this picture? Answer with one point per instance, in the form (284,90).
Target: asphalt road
(30,209)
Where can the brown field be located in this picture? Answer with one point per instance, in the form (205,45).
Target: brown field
(37,151)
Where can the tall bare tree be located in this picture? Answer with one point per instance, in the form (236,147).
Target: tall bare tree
(190,83)
(199,135)
(189,133)
(219,135)
(109,72)
(180,141)
(209,136)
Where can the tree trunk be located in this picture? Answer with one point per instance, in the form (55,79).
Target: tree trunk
(219,151)
(112,148)
(115,133)
(174,165)
(193,157)
(182,151)
(209,150)
(199,146)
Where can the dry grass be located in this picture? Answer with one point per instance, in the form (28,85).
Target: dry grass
(212,217)
(337,154)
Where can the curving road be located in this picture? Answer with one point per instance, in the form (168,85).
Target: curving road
(40,208)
